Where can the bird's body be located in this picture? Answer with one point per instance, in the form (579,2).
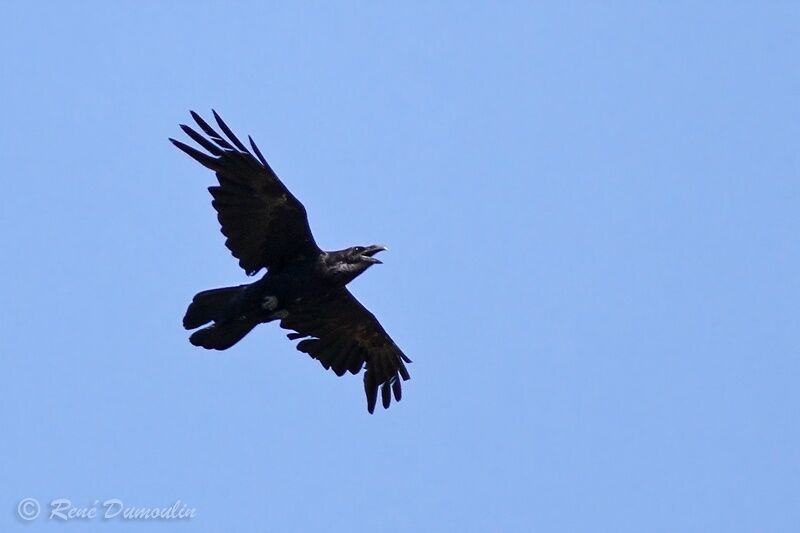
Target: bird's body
(275,296)
(304,287)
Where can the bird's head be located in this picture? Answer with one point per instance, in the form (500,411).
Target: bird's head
(345,265)
(364,255)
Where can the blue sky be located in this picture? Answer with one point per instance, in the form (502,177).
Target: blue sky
(592,216)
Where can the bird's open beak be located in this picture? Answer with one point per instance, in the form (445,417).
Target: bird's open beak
(371,251)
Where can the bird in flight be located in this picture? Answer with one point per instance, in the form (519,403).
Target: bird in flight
(304,287)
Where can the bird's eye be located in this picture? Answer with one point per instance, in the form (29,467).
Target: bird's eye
(359,249)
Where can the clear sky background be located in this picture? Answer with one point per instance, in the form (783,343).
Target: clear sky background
(592,216)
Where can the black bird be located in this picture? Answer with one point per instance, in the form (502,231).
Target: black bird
(304,287)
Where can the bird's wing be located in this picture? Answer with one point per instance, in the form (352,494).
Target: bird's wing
(342,335)
(264,223)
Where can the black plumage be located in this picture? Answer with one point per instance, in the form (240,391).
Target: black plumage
(304,287)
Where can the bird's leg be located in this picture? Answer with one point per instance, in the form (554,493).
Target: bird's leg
(269,303)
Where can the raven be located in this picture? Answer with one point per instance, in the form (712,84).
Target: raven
(304,287)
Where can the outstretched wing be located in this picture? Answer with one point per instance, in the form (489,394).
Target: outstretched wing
(342,335)
(265,225)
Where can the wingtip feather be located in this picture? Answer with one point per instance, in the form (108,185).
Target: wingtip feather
(386,395)
(371,389)
(204,159)
(397,389)
(259,154)
(227,131)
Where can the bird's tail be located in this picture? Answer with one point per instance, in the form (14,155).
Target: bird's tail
(223,308)
(216,305)
(223,335)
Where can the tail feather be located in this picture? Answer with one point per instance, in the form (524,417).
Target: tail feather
(216,305)
(223,335)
